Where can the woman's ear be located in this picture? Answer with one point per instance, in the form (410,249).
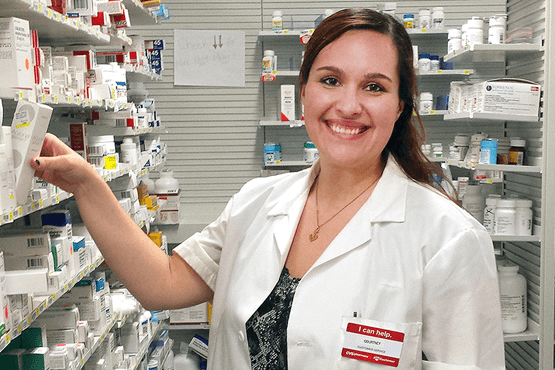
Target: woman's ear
(401,107)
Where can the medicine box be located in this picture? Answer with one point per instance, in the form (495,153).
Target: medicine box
(37,359)
(191,315)
(27,281)
(29,125)
(287,102)
(15,56)
(508,96)
(32,243)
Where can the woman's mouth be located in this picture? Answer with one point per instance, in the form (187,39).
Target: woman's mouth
(347,130)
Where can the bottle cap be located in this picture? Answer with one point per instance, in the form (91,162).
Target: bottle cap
(507,268)
(277,13)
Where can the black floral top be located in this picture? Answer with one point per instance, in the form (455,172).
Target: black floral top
(267,327)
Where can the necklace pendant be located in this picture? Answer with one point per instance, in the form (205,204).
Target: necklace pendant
(312,237)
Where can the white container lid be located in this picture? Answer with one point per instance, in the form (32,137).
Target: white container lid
(508,268)
(523,203)
(424,12)
(437,8)
(475,22)
(491,201)
(454,33)
(426,96)
(498,20)
(506,203)
(277,13)
(518,142)
(269,53)
(462,139)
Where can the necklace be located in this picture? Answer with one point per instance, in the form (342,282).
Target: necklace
(312,237)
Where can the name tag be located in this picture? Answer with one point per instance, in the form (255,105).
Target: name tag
(372,344)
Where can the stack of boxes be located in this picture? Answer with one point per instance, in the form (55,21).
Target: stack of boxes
(16,58)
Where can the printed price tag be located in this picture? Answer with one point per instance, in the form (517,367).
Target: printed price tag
(371,344)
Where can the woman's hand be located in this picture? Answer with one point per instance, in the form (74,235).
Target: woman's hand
(61,166)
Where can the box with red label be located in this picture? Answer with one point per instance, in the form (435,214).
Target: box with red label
(508,96)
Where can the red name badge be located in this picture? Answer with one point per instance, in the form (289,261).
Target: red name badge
(366,343)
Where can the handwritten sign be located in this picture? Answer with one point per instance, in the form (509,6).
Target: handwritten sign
(209,58)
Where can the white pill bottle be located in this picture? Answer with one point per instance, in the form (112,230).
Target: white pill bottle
(514,307)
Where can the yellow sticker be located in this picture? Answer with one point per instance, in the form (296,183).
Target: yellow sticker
(24,124)
(29,320)
(110,162)
(37,311)
(19,329)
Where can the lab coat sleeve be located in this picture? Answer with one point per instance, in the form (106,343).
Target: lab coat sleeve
(202,251)
(462,326)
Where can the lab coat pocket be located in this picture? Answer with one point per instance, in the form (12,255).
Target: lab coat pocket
(371,344)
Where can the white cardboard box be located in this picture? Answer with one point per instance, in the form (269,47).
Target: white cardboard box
(16,56)
(287,102)
(509,96)
(29,125)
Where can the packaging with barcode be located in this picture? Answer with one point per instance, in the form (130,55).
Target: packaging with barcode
(31,243)
(30,262)
(57,223)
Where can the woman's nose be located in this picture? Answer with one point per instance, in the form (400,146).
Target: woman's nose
(348,102)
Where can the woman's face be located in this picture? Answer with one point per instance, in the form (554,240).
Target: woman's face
(351,98)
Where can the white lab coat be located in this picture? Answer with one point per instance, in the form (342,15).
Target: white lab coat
(410,260)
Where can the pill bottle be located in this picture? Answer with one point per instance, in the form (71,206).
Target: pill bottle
(505,217)
(101,145)
(426,149)
(166,184)
(129,152)
(464,35)
(277,20)
(438,17)
(434,63)
(488,151)
(426,103)
(152,364)
(455,41)
(150,184)
(475,31)
(517,152)
(513,294)
(489,212)
(272,153)
(496,32)
(474,201)
(408,20)
(269,62)
(424,62)
(524,217)
(310,152)
(424,19)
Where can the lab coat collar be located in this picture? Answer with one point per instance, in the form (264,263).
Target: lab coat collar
(386,204)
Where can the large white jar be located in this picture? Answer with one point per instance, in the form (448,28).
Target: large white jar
(474,202)
(166,184)
(512,289)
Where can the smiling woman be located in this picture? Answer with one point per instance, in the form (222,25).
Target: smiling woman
(306,269)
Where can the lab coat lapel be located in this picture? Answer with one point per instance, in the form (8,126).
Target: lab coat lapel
(386,204)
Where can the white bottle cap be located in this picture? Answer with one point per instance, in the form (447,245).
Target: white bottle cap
(507,268)
(277,13)
(269,53)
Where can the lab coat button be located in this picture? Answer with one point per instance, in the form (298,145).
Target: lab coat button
(241,336)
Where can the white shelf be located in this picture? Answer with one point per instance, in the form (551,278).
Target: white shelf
(491,117)
(530,334)
(447,73)
(516,238)
(425,32)
(53,28)
(140,16)
(288,164)
(121,131)
(46,302)
(202,326)
(295,123)
(492,53)
(491,167)
(435,113)
(28,208)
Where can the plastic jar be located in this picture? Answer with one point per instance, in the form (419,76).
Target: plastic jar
(150,185)
(152,364)
(455,40)
(489,213)
(166,184)
(408,20)
(424,62)
(101,145)
(474,201)
(505,217)
(496,32)
(464,35)
(434,63)
(268,62)
(426,103)
(438,17)
(524,217)
(475,31)
(272,153)
(129,152)
(517,152)
(310,152)
(277,20)
(513,292)
(424,19)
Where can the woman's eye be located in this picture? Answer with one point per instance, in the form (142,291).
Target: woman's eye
(374,87)
(330,81)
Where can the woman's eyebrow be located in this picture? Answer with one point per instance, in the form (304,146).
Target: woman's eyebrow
(378,76)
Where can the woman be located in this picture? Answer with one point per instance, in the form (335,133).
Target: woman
(356,263)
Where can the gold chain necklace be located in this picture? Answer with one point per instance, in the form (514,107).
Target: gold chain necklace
(312,237)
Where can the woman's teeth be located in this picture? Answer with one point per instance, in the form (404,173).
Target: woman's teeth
(346,130)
